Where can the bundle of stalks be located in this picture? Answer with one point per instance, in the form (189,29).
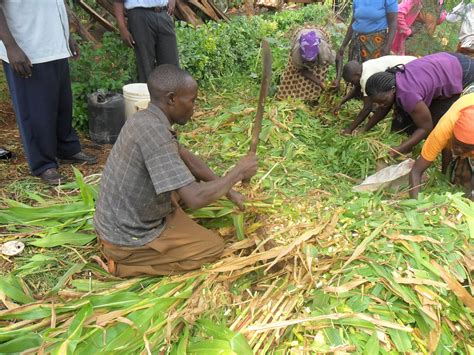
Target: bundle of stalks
(346,272)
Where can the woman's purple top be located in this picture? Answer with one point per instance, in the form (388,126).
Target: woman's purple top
(428,78)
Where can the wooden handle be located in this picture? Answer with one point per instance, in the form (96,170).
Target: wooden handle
(264,86)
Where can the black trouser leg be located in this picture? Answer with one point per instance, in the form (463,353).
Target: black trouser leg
(141,26)
(67,140)
(166,47)
(155,40)
(43,114)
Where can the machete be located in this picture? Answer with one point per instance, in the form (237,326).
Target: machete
(264,86)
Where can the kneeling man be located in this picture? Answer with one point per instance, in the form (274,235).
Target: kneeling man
(139,222)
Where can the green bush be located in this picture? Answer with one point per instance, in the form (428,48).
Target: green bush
(215,50)
(211,51)
(218,50)
(108,67)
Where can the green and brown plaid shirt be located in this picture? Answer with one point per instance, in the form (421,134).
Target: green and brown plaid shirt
(142,170)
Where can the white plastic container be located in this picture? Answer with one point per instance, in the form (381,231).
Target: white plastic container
(141,105)
(133,93)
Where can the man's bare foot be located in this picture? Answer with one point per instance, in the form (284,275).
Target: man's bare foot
(109,266)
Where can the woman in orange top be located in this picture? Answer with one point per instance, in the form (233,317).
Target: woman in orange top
(453,136)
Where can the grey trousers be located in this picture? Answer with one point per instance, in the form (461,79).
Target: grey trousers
(155,40)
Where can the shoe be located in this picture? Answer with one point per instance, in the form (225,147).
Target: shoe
(80,158)
(5,154)
(52,177)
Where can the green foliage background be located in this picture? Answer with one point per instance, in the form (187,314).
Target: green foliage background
(217,52)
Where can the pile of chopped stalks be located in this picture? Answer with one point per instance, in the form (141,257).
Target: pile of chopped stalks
(310,266)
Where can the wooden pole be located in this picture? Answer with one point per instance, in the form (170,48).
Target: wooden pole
(77,27)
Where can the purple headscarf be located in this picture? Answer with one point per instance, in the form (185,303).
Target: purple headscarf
(309,46)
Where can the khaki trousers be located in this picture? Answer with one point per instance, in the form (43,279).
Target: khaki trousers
(183,245)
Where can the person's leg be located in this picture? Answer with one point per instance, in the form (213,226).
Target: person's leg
(166,47)
(67,140)
(354,48)
(141,26)
(35,102)
(184,245)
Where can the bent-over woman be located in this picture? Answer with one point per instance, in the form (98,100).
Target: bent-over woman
(421,92)
(453,137)
(310,57)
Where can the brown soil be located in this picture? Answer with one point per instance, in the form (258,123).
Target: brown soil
(17,168)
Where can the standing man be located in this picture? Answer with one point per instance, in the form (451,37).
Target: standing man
(150,32)
(35,47)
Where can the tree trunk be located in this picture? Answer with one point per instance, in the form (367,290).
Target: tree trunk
(249,10)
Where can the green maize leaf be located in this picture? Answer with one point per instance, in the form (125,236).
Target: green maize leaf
(358,303)
(33,311)
(63,238)
(372,347)
(360,323)
(166,287)
(467,209)
(215,331)
(35,197)
(414,219)
(446,342)
(240,345)
(181,347)
(237,341)
(36,262)
(13,203)
(31,214)
(20,344)
(7,335)
(333,336)
(401,340)
(406,293)
(86,192)
(238,220)
(222,222)
(211,347)
(74,332)
(93,285)
(121,336)
(202,213)
(118,300)
(421,324)
(12,289)
(224,212)
(74,269)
